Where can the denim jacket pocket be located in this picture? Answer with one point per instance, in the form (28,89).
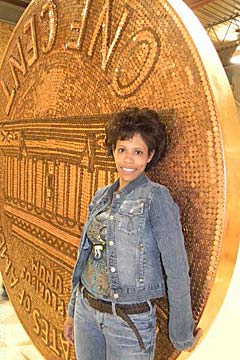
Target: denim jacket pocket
(131,215)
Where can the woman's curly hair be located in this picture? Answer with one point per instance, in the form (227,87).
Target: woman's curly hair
(146,122)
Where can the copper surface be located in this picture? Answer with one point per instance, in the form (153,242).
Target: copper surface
(68,66)
(195,4)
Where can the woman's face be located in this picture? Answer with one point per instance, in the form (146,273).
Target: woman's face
(131,157)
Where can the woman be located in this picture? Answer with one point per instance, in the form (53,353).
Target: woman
(132,235)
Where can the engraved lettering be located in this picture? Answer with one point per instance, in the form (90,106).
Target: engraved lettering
(124,82)
(33,280)
(36,318)
(41,288)
(9,95)
(35,266)
(49,296)
(8,136)
(23,274)
(103,24)
(45,331)
(25,301)
(146,41)
(42,272)
(4,136)
(42,327)
(15,64)
(53,346)
(21,297)
(54,300)
(4,253)
(49,277)
(58,283)
(32,45)
(8,266)
(61,308)
(14,279)
(79,27)
(28,304)
(2,243)
(50,8)
(65,346)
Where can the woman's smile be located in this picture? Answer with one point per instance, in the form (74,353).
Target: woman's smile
(128,170)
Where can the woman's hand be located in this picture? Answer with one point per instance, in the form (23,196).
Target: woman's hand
(68,330)
(197,334)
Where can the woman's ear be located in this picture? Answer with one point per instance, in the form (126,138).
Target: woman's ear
(151,156)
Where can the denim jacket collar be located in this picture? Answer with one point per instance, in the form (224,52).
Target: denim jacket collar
(140,180)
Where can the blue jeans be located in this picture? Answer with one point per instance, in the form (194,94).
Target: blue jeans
(105,336)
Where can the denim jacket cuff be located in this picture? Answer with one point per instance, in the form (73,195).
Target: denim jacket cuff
(182,345)
(71,304)
(70,310)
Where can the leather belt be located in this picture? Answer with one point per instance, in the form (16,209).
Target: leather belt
(122,310)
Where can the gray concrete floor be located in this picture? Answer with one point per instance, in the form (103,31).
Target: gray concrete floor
(14,342)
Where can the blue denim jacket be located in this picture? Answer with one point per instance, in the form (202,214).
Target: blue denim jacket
(144,235)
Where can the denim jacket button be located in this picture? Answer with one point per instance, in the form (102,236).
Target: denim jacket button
(117,196)
(111,243)
(115,296)
(111,217)
(140,280)
(113,269)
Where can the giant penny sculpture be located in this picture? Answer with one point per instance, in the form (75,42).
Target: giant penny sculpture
(68,66)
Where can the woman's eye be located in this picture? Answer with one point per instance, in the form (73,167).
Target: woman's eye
(120,150)
(138,152)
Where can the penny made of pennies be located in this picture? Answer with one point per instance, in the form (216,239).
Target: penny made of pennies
(68,66)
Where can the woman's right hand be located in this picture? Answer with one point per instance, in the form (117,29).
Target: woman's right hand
(68,330)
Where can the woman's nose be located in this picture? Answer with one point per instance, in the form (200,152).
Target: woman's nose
(128,158)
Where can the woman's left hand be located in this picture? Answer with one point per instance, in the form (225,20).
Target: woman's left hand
(68,330)
(197,334)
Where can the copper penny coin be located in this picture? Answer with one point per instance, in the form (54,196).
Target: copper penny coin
(68,66)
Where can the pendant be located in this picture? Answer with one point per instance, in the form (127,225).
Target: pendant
(97,251)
